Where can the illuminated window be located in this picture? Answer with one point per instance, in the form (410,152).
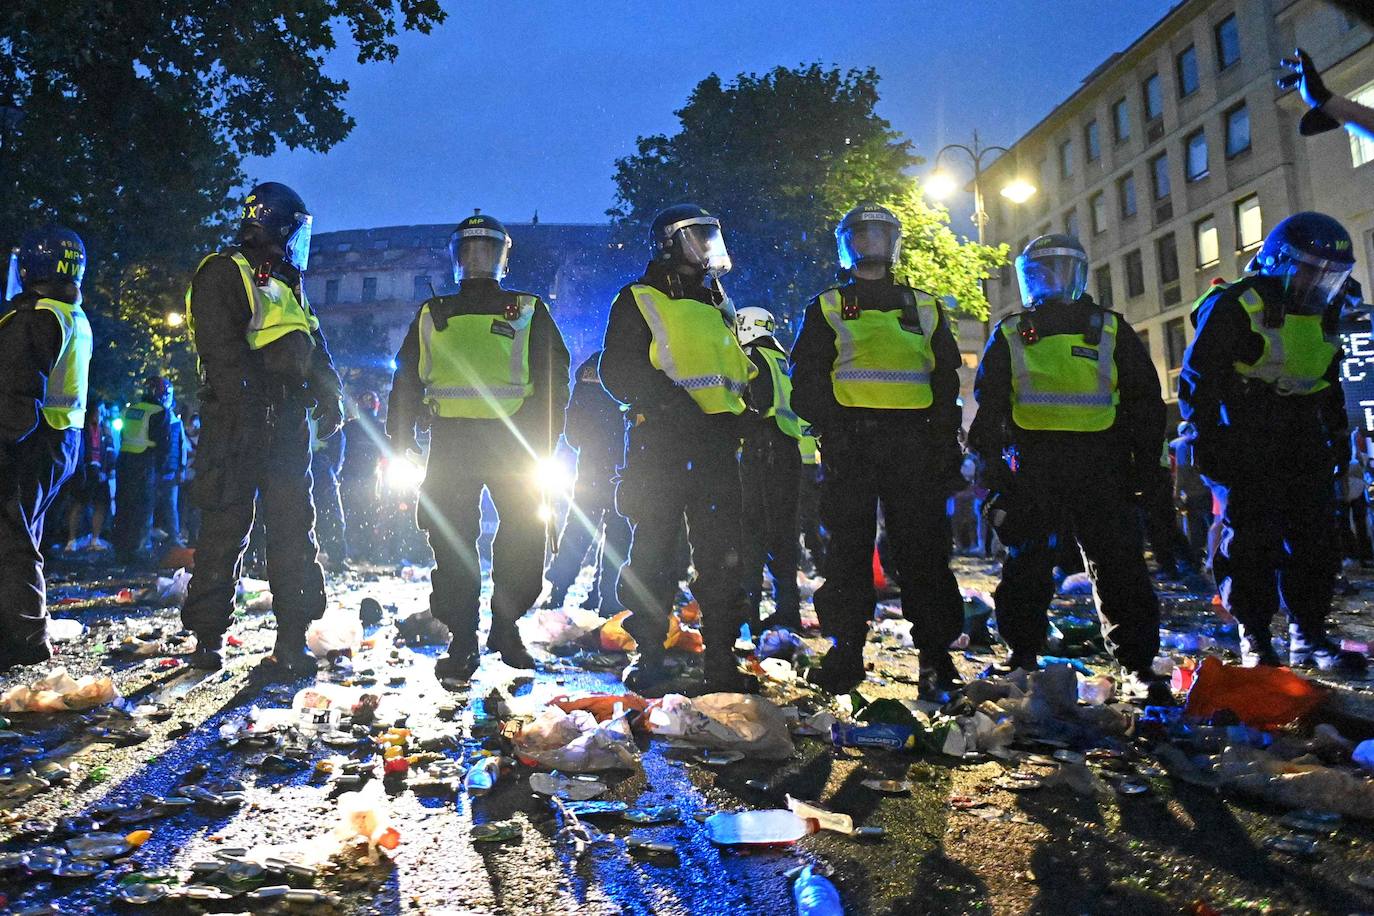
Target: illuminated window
(1362,149)
(1249,224)
(1208,246)
(1098,205)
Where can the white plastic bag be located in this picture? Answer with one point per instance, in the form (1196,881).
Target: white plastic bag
(336,631)
(726,721)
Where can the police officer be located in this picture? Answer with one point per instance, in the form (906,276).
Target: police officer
(45,347)
(1070,389)
(875,370)
(671,355)
(265,368)
(1261,384)
(809,501)
(487,370)
(595,427)
(327,456)
(145,451)
(771,471)
(358,479)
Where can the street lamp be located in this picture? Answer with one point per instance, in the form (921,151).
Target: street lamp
(175,319)
(941,184)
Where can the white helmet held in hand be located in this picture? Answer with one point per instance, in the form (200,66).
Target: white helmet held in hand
(752,322)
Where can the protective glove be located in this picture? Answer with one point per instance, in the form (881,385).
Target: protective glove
(1308,80)
(328,416)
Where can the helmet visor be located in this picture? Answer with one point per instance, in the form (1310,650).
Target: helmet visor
(297,248)
(703,246)
(478,253)
(13,285)
(870,240)
(1312,283)
(1052,274)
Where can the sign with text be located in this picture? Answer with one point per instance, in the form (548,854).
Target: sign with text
(1357,373)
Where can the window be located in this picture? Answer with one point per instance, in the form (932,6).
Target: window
(1102,286)
(1098,205)
(1159,175)
(1197,156)
(1228,42)
(1153,97)
(423,289)
(1144,335)
(1135,274)
(1121,121)
(345,246)
(1237,131)
(1071,223)
(1167,251)
(1208,246)
(1249,225)
(1092,150)
(1066,159)
(1362,149)
(1175,342)
(369,289)
(1186,66)
(1125,192)
(379,245)
(331,292)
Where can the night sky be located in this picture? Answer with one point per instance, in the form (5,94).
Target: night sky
(518,107)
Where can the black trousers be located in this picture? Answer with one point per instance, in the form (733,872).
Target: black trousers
(899,470)
(329,522)
(1280,539)
(31,475)
(667,476)
(592,512)
(246,453)
(136,502)
(770,468)
(464,457)
(1356,529)
(1084,498)
(809,515)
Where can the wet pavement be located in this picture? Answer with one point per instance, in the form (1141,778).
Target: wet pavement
(962,839)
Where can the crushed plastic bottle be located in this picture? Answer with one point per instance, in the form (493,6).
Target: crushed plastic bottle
(815,895)
(1096,691)
(1363,754)
(771,827)
(482,776)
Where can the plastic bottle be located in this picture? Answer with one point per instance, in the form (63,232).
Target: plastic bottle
(771,827)
(482,776)
(1096,690)
(815,895)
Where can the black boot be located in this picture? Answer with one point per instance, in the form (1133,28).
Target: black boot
(938,677)
(840,671)
(459,663)
(207,656)
(505,639)
(289,660)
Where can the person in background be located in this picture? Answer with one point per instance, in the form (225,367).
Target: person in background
(358,478)
(1358,547)
(809,502)
(170,476)
(1191,493)
(90,488)
(1327,110)
(327,457)
(147,448)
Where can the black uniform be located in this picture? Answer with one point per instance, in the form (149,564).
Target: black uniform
(358,485)
(906,460)
(254,441)
(467,454)
(679,461)
(595,426)
(771,471)
(1083,484)
(35,460)
(326,461)
(1276,457)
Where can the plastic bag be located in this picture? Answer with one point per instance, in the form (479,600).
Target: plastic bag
(170,591)
(1261,697)
(559,626)
(364,815)
(601,705)
(576,743)
(1077,584)
(615,638)
(336,631)
(57,691)
(64,629)
(1295,785)
(726,721)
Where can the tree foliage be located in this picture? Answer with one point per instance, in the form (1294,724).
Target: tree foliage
(128,120)
(780,157)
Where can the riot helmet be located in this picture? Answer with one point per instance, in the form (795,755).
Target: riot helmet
(1053,268)
(479,249)
(869,234)
(754,323)
(52,254)
(274,216)
(1311,255)
(686,235)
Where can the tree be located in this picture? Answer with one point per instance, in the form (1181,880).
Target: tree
(780,157)
(128,120)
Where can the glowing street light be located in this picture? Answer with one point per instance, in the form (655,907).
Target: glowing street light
(940,185)
(1019,191)
(175,319)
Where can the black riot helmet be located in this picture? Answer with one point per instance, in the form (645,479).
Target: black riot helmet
(1052,268)
(869,234)
(53,256)
(479,248)
(685,235)
(274,216)
(1312,256)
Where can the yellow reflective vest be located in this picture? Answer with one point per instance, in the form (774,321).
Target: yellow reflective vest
(1297,354)
(64,398)
(134,439)
(275,309)
(810,449)
(1063,382)
(694,346)
(883,358)
(781,408)
(478,366)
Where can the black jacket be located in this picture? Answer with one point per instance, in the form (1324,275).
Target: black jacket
(30,343)
(594,425)
(813,358)
(541,416)
(1140,415)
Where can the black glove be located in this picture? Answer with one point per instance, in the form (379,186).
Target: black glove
(1308,81)
(328,416)
(951,462)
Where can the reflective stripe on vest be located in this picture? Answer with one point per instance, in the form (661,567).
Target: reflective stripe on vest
(274,309)
(1296,354)
(693,346)
(1062,382)
(478,365)
(134,438)
(781,408)
(64,397)
(878,361)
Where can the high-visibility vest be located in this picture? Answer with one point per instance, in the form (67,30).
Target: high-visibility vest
(1064,382)
(64,398)
(275,311)
(781,408)
(810,449)
(478,366)
(137,417)
(694,346)
(1297,354)
(883,358)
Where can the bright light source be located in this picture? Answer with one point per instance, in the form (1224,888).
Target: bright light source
(545,512)
(940,185)
(391,364)
(1019,191)
(175,319)
(553,476)
(117,424)
(403,474)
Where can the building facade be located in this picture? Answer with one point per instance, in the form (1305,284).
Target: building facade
(1177,155)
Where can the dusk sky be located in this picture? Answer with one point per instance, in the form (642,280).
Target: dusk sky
(518,107)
